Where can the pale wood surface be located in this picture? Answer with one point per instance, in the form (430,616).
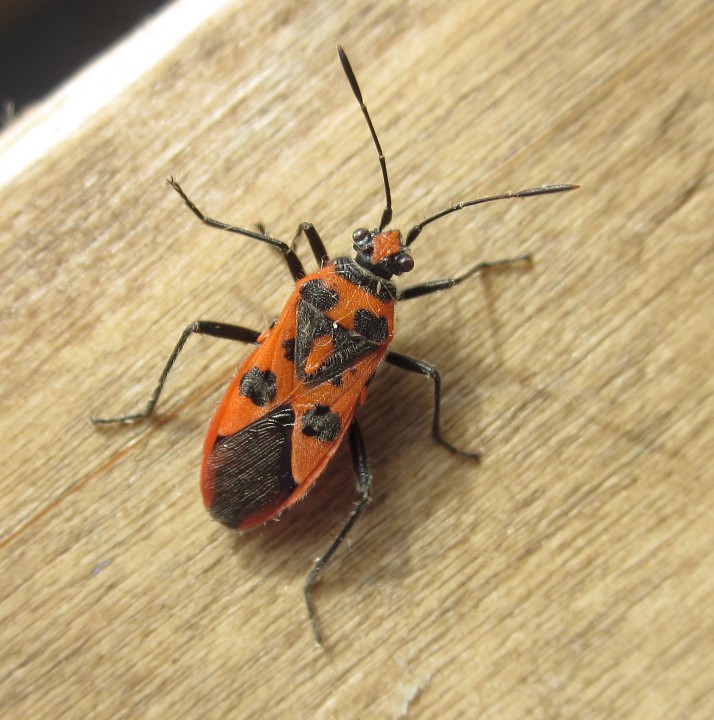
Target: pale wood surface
(571,574)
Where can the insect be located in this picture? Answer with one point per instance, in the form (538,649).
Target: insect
(293,401)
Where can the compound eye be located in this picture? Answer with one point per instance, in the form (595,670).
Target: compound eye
(361,238)
(406,263)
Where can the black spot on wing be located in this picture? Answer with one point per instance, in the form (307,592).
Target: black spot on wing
(317,294)
(289,347)
(259,387)
(321,423)
(252,470)
(371,327)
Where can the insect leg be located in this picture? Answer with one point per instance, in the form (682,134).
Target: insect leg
(424,368)
(432,286)
(313,237)
(295,267)
(364,487)
(202,327)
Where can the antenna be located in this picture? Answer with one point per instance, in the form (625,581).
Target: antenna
(387,214)
(543,190)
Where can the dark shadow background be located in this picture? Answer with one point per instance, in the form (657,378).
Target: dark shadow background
(42,42)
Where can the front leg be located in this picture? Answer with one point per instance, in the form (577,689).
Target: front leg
(316,244)
(292,260)
(432,286)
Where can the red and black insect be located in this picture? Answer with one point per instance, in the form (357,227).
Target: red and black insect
(293,400)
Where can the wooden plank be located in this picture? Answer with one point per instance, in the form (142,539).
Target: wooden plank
(569,575)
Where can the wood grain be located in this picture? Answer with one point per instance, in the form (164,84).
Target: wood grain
(571,574)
